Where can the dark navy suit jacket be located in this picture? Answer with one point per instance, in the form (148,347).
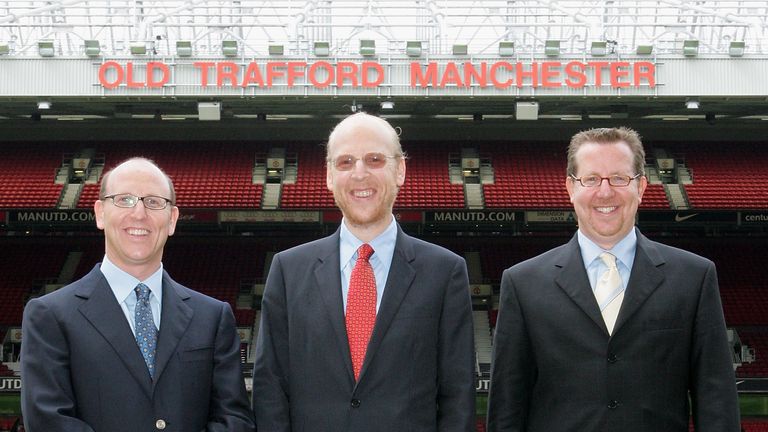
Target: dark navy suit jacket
(82,370)
(418,373)
(556,368)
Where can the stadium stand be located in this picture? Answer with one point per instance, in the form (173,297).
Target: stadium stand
(201,181)
(526,175)
(739,266)
(532,176)
(310,190)
(27,175)
(28,268)
(427,185)
(723,171)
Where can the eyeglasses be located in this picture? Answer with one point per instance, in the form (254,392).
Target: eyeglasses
(151,202)
(347,162)
(614,180)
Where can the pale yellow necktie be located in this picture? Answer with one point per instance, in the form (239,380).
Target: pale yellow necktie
(609,291)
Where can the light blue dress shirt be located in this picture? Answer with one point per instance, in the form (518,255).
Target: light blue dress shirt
(381,260)
(624,251)
(123,285)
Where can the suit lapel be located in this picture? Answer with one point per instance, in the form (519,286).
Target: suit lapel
(174,320)
(103,312)
(399,280)
(328,280)
(644,279)
(572,278)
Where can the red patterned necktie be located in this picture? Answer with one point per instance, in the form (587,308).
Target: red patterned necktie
(361,307)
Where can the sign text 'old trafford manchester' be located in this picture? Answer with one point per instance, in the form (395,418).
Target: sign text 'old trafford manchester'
(367,74)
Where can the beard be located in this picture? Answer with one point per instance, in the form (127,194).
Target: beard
(364,217)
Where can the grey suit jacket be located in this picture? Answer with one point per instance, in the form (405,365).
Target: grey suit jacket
(418,373)
(555,367)
(82,370)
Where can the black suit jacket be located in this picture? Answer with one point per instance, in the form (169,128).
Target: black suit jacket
(418,373)
(82,370)
(555,367)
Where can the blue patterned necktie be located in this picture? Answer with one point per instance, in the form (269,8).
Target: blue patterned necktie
(146,332)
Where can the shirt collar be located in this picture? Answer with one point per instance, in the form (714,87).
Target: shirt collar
(122,283)
(383,245)
(624,250)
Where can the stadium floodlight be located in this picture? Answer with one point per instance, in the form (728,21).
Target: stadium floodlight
(229,48)
(92,48)
(276,50)
(138,47)
(413,48)
(387,105)
(367,47)
(692,104)
(45,48)
(5,49)
(527,110)
(506,48)
(322,49)
(690,48)
(209,111)
(184,48)
(644,49)
(44,105)
(599,48)
(736,48)
(552,48)
(460,50)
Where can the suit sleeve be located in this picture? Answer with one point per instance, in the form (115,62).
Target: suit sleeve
(270,369)
(229,410)
(512,371)
(456,394)
(47,396)
(713,385)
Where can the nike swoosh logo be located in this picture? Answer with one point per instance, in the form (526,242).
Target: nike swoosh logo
(679,218)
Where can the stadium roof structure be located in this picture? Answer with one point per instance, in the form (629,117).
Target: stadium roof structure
(62,58)
(437,25)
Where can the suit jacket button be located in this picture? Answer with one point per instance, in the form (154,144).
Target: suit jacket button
(612,358)
(160,424)
(355,403)
(613,404)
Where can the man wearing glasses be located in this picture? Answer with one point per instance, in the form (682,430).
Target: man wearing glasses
(369,329)
(611,332)
(126,348)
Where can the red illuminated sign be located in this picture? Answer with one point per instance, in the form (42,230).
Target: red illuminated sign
(368,74)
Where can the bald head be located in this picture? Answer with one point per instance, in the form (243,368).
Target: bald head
(366,121)
(132,164)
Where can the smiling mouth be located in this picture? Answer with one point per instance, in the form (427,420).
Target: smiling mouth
(137,232)
(363,193)
(605,210)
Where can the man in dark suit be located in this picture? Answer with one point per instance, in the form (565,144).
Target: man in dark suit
(407,364)
(92,358)
(611,332)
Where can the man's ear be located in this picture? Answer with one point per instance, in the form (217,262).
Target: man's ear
(569,188)
(174,219)
(401,172)
(98,211)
